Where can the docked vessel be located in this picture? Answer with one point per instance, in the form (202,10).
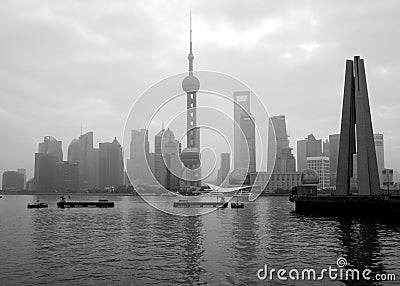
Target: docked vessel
(37,205)
(77,204)
(199,204)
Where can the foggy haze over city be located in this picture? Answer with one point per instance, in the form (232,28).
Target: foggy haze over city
(199,142)
(67,66)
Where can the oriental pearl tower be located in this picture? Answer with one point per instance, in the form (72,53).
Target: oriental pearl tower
(190,156)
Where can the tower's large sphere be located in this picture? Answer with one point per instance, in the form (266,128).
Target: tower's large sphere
(190,84)
(309,177)
(190,157)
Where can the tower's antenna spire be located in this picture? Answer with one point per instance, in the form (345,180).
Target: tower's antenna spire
(191,32)
(190,57)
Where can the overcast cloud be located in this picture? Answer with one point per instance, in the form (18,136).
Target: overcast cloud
(67,63)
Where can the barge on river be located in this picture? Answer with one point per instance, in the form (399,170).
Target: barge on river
(91,204)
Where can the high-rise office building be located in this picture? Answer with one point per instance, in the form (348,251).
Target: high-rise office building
(140,163)
(280,158)
(334,140)
(45,171)
(51,146)
(111,165)
(320,164)
(95,172)
(81,151)
(247,125)
(244,133)
(224,168)
(380,156)
(309,147)
(67,176)
(86,162)
(50,152)
(13,180)
(301,155)
(23,173)
(314,146)
(73,150)
(167,165)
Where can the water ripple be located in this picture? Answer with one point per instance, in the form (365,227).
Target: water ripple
(134,244)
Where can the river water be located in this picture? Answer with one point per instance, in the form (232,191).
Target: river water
(136,244)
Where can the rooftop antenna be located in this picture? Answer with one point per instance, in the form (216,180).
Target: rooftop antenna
(190,56)
(81,129)
(190,31)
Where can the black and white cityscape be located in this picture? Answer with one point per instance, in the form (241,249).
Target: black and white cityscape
(199,143)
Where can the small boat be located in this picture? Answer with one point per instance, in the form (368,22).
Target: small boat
(237,205)
(76,204)
(37,205)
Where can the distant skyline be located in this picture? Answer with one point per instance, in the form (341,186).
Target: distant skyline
(73,63)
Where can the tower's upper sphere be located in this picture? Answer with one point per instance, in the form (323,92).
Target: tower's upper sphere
(190,84)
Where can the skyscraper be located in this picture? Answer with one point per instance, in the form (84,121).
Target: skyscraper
(23,173)
(244,133)
(13,180)
(87,168)
(67,176)
(111,165)
(73,150)
(50,152)
(139,161)
(224,168)
(309,147)
(95,166)
(280,158)
(51,146)
(45,172)
(190,156)
(380,156)
(301,155)
(167,164)
(314,146)
(320,164)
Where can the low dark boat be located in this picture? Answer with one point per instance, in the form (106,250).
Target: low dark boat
(199,204)
(37,205)
(76,204)
(237,205)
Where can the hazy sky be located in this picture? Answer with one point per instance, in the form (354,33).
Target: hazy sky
(67,63)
